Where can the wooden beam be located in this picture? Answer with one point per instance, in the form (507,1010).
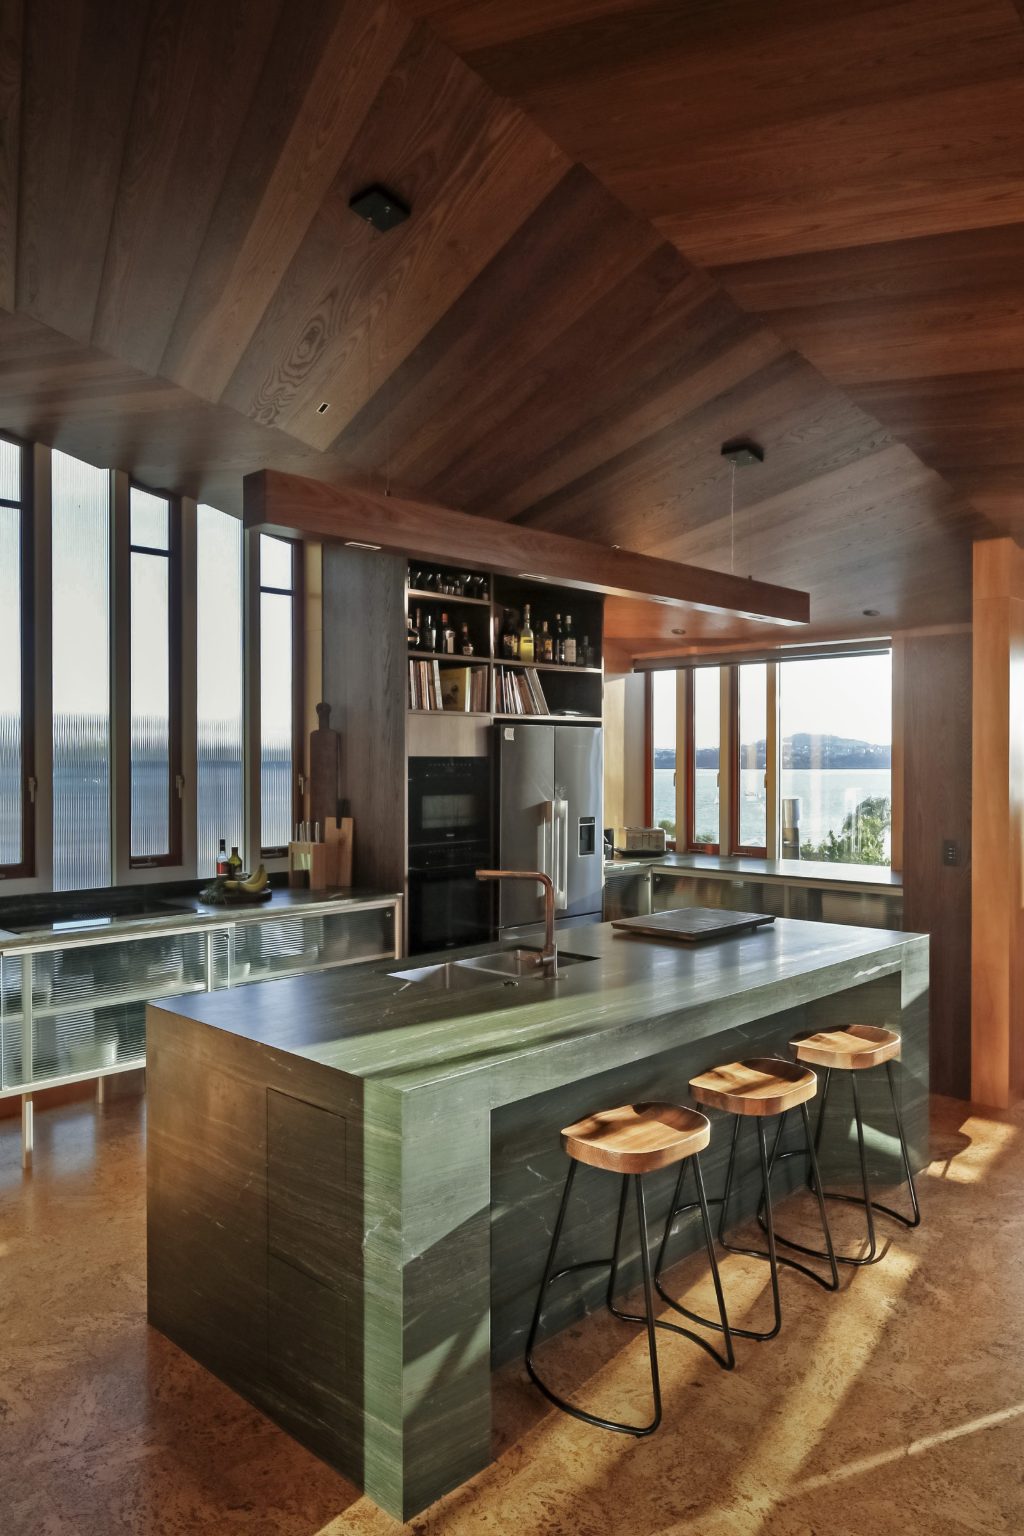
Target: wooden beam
(282,503)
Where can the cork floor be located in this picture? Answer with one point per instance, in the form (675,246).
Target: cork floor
(896,1406)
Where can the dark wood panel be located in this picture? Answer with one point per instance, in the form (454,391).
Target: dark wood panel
(179,141)
(324,68)
(937,806)
(11,32)
(365,681)
(82,62)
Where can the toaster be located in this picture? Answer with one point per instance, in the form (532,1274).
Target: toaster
(650,840)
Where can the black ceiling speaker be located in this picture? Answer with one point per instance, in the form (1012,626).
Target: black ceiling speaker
(380,208)
(743,450)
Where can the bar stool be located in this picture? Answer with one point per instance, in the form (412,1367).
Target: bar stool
(754,1089)
(632,1141)
(857,1048)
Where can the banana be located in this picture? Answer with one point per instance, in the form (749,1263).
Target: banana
(255,883)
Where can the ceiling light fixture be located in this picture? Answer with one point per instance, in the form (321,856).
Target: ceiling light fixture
(358,544)
(324,405)
(379,207)
(871,613)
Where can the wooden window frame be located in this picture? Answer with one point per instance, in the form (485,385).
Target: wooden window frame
(296,594)
(743,850)
(690,845)
(25,869)
(172,858)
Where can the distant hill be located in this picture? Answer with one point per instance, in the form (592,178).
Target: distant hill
(800,751)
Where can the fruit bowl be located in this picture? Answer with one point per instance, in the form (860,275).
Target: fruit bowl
(241,891)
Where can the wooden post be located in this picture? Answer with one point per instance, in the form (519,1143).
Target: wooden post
(997,927)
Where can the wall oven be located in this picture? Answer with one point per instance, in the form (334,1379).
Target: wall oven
(449,840)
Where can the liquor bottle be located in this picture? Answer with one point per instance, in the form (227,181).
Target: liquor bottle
(585,653)
(222,858)
(559,640)
(547,643)
(465,643)
(569,643)
(509,639)
(428,633)
(447,635)
(234,864)
(526,636)
(413,633)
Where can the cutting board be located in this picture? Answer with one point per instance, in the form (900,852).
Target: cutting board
(691,925)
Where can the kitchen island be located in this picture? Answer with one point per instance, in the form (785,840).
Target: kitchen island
(352,1175)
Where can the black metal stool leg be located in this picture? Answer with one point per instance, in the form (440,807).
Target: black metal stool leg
(773,1257)
(864,1200)
(908,1221)
(822,1212)
(550,1275)
(728,1360)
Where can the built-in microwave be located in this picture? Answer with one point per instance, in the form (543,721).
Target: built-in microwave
(449,801)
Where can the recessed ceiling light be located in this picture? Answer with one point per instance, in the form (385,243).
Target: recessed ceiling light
(871,613)
(324,405)
(679,631)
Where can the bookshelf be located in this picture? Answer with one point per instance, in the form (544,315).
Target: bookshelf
(487,605)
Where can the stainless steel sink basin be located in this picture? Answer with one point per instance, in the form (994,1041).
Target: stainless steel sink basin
(503,966)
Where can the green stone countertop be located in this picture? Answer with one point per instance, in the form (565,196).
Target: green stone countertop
(400,1035)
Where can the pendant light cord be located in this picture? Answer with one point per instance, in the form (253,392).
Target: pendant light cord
(732,519)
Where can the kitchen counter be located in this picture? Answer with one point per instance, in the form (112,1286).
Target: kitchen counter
(352,1177)
(809,872)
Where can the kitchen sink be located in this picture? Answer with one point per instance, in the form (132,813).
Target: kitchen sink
(507,966)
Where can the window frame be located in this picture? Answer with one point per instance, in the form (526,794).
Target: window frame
(25,869)
(298,685)
(690,768)
(173,857)
(740,849)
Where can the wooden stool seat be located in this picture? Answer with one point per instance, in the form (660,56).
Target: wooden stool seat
(762,1085)
(637,1138)
(857,1046)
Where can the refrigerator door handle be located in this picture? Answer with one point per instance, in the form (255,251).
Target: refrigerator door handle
(549,865)
(562,861)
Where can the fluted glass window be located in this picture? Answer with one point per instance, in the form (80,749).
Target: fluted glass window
(155,803)
(15,828)
(81,674)
(277,749)
(218,684)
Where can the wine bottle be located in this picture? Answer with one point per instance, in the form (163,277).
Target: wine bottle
(222,858)
(526,636)
(413,634)
(569,643)
(509,640)
(465,643)
(585,653)
(559,649)
(547,643)
(447,636)
(428,634)
(234,864)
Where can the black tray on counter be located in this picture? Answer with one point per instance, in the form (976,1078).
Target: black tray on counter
(692,925)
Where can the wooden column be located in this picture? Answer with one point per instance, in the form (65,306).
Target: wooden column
(998,824)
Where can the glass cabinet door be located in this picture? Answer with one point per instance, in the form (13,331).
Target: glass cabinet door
(310,942)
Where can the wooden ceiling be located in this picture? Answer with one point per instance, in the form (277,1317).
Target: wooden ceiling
(698,213)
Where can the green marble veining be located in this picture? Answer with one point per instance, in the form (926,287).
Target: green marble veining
(452,1105)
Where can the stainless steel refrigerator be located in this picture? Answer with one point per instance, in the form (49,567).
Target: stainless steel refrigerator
(549,797)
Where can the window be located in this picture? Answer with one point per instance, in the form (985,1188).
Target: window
(81,674)
(663,751)
(278,693)
(836,723)
(703,710)
(155,725)
(219,687)
(17,783)
(750,791)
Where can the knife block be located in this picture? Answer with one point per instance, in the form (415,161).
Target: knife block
(323,866)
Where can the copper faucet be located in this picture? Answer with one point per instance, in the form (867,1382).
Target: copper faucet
(549,954)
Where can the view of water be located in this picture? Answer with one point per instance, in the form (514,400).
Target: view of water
(827,796)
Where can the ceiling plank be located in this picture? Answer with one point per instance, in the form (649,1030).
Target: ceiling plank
(275,501)
(11,30)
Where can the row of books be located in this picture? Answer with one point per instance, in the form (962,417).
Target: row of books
(519,692)
(463,690)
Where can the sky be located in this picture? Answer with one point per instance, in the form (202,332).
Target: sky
(838,696)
